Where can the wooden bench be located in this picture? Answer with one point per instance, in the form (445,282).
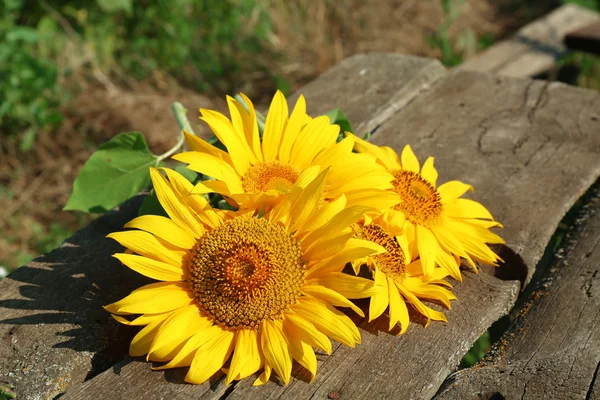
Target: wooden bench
(536,47)
(530,148)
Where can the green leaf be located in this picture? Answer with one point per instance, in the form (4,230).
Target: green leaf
(117,171)
(337,117)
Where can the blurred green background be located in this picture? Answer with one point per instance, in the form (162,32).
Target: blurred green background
(75,73)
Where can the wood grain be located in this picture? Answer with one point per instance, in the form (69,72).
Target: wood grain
(530,149)
(53,330)
(552,349)
(369,88)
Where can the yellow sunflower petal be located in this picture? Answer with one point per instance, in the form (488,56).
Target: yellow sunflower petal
(276,349)
(153,299)
(301,352)
(375,198)
(395,305)
(409,160)
(333,153)
(422,308)
(143,339)
(264,377)
(161,271)
(274,125)
(336,225)
(330,296)
(185,356)
(452,190)
(199,145)
(304,330)
(292,130)
(142,320)
(307,176)
(145,244)
(212,166)
(398,309)
(467,208)
(317,135)
(236,111)
(351,287)
(328,320)
(353,249)
(178,212)
(328,247)
(210,357)
(236,147)
(388,159)
(165,229)
(322,216)
(428,248)
(304,204)
(197,203)
(380,300)
(429,172)
(174,332)
(449,263)
(246,358)
(251,127)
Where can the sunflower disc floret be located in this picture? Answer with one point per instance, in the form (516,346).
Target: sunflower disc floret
(245,271)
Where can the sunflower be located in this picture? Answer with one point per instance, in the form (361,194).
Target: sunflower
(254,174)
(400,280)
(237,292)
(440,225)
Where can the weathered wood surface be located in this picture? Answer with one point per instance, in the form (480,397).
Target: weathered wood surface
(534,49)
(53,330)
(530,148)
(495,133)
(552,349)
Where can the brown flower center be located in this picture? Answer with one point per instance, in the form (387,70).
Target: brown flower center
(421,203)
(245,271)
(270,175)
(390,263)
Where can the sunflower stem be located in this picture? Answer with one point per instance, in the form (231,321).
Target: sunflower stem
(181,116)
(260,119)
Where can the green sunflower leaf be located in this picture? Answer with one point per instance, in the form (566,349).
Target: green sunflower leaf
(338,117)
(117,171)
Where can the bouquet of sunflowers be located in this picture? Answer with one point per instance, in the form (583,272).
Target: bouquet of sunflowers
(258,264)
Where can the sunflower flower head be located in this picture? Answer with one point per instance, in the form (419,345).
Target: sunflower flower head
(239,293)
(402,282)
(439,225)
(254,174)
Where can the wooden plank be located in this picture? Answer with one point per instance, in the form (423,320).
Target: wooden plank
(53,330)
(369,88)
(530,149)
(585,39)
(535,48)
(552,349)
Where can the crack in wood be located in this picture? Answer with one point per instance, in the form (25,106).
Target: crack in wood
(538,104)
(588,395)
